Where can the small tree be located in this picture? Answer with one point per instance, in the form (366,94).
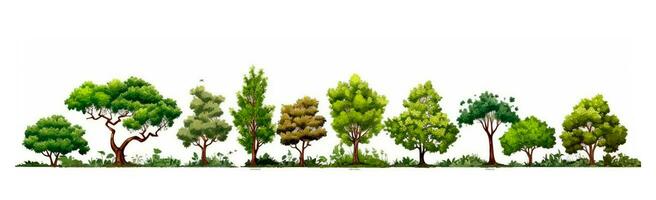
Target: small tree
(300,123)
(527,135)
(490,112)
(54,136)
(204,127)
(134,102)
(253,118)
(591,126)
(357,112)
(423,126)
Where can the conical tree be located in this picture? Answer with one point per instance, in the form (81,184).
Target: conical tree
(423,126)
(253,117)
(590,126)
(204,127)
(299,125)
(357,112)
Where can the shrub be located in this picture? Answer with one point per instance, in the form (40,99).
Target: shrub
(620,160)
(368,158)
(30,163)
(515,164)
(69,161)
(105,160)
(157,161)
(218,160)
(405,162)
(464,161)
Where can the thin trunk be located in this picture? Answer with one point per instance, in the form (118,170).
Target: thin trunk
(491,160)
(302,158)
(591,156)
(530,157)
(203,156)
(356,159)
(254,153)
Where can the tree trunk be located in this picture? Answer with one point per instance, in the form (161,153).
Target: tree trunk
(119,154)
(591,155)
(356,159)
(530,158)
(203,156)
(422,162)
(254,153)
(491,160)
(302,157)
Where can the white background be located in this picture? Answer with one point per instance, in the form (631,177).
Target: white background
(548,55)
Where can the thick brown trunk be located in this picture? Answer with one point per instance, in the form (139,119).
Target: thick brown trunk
(302,158)
(356,159)
(119,154)
(203,156)
(530,158)
(591,156)
(254,153)
(491,160)
(422,162)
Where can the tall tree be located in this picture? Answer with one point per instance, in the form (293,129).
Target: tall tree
(590,126)
(527,135)
(423,126)
(54,136)
(490,112)
(299,125)
(253,118)
(357,112)
(204,127)
(134,102)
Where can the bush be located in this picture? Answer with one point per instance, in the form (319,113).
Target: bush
(30,163)
(620,160)
(515,164)
(406,162)
(69,161)
(556,160)
(464,161)
(218,160)
(157,161)
(105,160)
(368,158)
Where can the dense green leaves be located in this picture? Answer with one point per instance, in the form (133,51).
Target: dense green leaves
(423,125)
(134,102)
(590,126)
(527,135)
(253,117)
(54,136)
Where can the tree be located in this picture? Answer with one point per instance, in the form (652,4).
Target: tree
(590,126)
(300,123)
(134,102)
(204,127)
(527,135)
(54,136)
(357,112)
(490,112)
(253,118)
(423,126)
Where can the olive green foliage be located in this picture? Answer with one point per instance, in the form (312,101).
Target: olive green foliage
(423,126)
(218,160)
(156,160)
(134,102)
(368,158)
(288,160)
(589,126)
(204,127)
(464,161)
(527,135)
(357,112)
(620,160)
(54,136)
(253,118)
(300,124)
(490,112)
(557,160)
(405,162)
(30,163)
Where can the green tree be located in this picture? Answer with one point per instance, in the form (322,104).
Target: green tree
(134,102)
(54,136)
(253,118)
(357,112)
(591,126)
(527,135)
(490,112)
(300,123)
(204,127)
(423,126)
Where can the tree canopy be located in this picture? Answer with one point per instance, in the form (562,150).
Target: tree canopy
(357,112)
(590,125)
(134,102)
(527,135)
(204,127)
(423,126)
(253,118)
(54,136)
(300,123)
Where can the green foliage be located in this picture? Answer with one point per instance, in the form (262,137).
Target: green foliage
(621,160)
(253,118)
(357,110)
(69,161)
(464,161)
(590,125)
(423,125)
(204,127)
(368,158)
(54,136)
(156,160)
(405,162)
(528,134)
(515,164)
(104,160)
(30,163)
(264,160)
(489,106)
(557,160)
(218,160)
